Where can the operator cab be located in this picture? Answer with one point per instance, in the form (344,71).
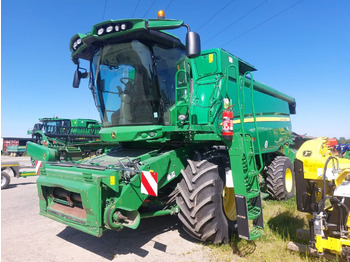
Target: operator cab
(133,83)
(133,64)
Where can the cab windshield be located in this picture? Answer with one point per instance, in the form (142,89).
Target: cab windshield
(134,83)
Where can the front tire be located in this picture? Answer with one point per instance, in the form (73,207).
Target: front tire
(200,202)
(280,180)
(5,180)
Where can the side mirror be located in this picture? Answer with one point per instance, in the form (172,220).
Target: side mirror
(193,45)
(76,79)
(79,75)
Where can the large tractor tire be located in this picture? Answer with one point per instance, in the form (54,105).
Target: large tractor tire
(5,180)
(280,178)
(200,200)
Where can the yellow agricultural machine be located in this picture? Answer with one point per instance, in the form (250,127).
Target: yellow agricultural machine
(323,190)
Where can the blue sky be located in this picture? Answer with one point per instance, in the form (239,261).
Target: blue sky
(301,48)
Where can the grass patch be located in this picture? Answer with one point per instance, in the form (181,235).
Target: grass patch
(285,225)
(281,220)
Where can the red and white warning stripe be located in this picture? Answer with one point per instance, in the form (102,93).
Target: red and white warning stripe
(149,183)
(38,164)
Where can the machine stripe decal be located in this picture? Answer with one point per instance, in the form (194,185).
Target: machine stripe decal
(4,165)
(263,119)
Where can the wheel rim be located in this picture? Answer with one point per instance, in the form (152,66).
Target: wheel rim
(288,179)
(228,200)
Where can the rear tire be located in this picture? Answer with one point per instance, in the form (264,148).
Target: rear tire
(280,179)
(200,202)
(5,180)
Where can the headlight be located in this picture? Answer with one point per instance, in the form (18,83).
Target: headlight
(181,117)
(77,43)
(109,29)
(100,31)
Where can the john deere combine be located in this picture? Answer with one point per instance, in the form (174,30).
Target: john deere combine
(62,131)
(65,139)
(192,132)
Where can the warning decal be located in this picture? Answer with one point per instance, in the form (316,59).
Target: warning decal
(149,183)
(38,164)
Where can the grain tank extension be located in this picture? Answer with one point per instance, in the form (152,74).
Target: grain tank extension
(192,131)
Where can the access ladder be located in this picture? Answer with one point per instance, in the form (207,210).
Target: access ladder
(244,169)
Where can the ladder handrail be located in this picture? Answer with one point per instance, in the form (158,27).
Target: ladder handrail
(187,102)
(241,81)
(179,88)
(242,114)
(251,87)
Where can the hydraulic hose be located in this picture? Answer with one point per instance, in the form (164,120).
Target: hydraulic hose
(324,195)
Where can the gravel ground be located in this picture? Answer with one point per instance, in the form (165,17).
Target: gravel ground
(27,236)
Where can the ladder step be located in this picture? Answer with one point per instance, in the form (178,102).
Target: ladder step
(253,193)
(254,212)
(255,232)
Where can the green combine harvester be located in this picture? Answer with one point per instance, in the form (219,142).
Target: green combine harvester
(62,131)
(191,132)
(65,139)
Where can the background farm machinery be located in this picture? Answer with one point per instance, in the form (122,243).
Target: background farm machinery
(323,191)
(65,139)
(13,168)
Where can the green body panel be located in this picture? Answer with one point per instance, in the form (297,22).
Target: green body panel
(97,189)
(215,79)
(41,153)
(67,152)
(157,24)
(90,221)
(104,192)
(272,135)
(131,133)
(82,50)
